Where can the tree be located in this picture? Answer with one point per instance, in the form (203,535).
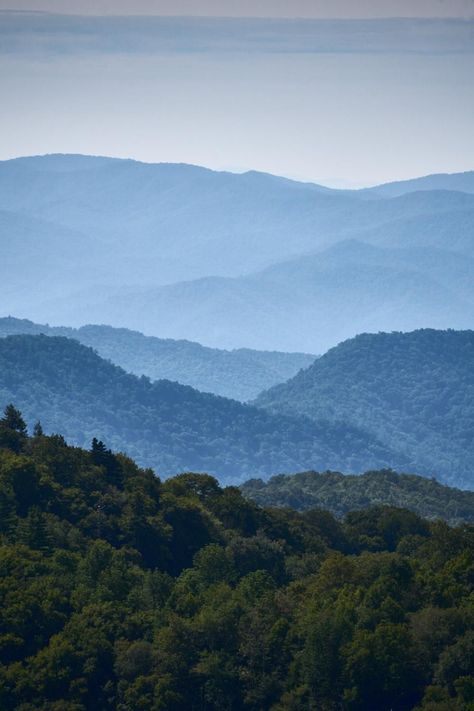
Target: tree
(38,430)
(13,430)
(13,420)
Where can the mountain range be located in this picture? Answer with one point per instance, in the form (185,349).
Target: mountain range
(232,260)
(239,374)
(168,426)
(413,391)
(390,400)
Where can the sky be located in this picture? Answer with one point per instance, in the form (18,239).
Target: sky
(254,8)
(349,101)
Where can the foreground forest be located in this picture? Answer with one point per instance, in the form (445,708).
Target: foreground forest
(122,592)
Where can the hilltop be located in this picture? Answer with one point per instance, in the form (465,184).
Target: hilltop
(240,374)
(165,425)
(412,390)
(342,493)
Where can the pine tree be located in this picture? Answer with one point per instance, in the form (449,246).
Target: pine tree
(13,420)
(38,430)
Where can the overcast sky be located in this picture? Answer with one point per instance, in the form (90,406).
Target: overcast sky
(255,8)
(345,102)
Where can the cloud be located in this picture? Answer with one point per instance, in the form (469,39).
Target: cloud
(316,9)
(48,34)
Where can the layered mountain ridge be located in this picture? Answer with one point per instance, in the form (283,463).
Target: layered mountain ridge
(184,252)
(239,374)
(165,425)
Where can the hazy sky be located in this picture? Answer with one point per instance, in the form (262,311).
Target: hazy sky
(254,8)
(339,102)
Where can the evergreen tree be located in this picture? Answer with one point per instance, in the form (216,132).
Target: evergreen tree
(13,420)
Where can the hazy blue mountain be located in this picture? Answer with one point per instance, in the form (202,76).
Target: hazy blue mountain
(239,374)
(185,252)
(307,304)
(463,182)
(415,390)
(341,493)
(169,426)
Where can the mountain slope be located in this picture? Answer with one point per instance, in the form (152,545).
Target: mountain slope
(463,182)
(341,493)
(309,303)
(129,223)
(185,252)
(413,390)
(166,425)
(240,374)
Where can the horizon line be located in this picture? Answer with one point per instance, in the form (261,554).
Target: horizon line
(302,181)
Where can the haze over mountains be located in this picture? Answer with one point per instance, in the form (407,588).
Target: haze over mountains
(168,426)
(240,374)
(230,260)
(391,400)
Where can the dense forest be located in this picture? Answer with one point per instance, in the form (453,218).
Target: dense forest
(121,592)
(168,426)
(412,391)
(341,493)
(240,374)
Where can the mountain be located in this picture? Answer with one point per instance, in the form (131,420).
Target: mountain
(86,233)
(165,425)
(462,182)
(120,591)
(164,222)
(308,304)
(341,493)
(413,391)
(239,374)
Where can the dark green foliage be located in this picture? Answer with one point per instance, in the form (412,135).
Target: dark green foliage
(412,391)
(12,429)
(341,493)
(240,374)
(120,592)
(165,425)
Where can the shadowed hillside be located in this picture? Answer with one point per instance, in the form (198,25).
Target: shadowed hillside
(413,390)
(165,425)
(240,374)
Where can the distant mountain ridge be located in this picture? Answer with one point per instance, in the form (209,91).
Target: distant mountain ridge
(306,304)
(83,234)
(463,182)
(167,426)
(240,374)
(415,390)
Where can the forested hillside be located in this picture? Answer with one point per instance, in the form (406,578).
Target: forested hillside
(239,374)
(122,592)
(341,493)
(166,425)
(413,391)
